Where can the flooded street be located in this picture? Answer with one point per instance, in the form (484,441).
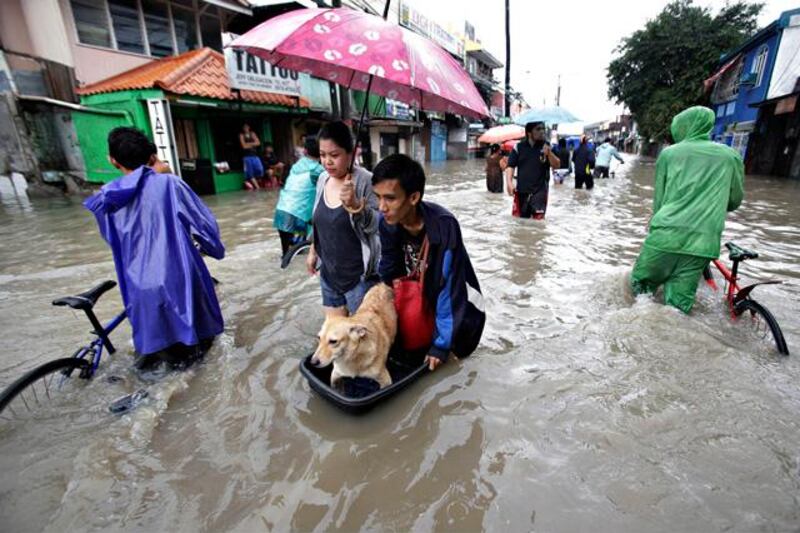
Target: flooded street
(583,409)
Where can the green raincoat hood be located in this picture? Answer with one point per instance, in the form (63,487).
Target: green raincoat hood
(693,124)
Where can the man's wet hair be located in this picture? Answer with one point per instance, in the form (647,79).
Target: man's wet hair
(402,168)
(530,126)
(311,146)
(130,147)
(339,133)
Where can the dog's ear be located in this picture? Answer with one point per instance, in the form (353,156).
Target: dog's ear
(358,330)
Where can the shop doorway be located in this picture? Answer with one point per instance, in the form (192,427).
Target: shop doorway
(389,144)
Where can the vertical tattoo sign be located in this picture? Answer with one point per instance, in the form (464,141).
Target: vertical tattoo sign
(161,128)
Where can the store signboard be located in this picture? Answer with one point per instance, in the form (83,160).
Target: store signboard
(251,73)
(163,136)
(416,21)
(398,110)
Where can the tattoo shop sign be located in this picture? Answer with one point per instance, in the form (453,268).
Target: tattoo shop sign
(163,136)
(251,73)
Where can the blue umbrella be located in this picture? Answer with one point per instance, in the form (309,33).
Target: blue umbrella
(548,115)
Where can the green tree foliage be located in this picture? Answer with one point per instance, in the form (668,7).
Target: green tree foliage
(659,70)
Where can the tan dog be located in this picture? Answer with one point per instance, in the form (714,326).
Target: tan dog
(358,345)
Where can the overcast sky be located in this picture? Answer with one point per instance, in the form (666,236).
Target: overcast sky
(574,38)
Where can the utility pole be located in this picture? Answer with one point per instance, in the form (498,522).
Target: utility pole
(558,92)
(508,61)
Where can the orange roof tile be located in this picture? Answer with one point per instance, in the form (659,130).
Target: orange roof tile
(197,73)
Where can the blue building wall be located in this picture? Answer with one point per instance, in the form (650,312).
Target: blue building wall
(739,110)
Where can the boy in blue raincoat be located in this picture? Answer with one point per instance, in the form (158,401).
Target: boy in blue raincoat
(151,222)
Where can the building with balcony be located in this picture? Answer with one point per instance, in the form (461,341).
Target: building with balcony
(741,80)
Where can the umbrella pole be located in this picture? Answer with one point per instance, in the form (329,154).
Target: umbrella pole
(361,122)
(366,99)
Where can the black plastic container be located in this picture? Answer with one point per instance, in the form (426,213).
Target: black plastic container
(358,395)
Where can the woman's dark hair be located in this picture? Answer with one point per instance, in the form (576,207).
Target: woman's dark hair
(339,133)
(404,169)
(562,143)
(130,147)
(312,146)
(494,148)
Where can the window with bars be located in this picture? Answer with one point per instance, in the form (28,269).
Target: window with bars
(156,28)
(759,64)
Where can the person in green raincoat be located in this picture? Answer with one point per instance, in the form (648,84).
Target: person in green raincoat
(296,201)
(697,182)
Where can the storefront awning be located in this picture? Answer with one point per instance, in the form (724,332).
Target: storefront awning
(709,83)
(199,73)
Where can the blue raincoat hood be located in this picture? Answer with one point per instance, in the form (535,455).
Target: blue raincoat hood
(119,192)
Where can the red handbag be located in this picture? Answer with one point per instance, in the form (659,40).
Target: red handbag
(415,321)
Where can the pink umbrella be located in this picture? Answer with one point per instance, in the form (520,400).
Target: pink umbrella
(508,146)
(366,53)
(499,134)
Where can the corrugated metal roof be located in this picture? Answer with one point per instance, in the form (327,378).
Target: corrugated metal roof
(195,73)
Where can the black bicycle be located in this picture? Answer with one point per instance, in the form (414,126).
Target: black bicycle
(299,248)
(44,383)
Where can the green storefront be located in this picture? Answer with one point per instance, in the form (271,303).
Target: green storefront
(185,105)
(204,129)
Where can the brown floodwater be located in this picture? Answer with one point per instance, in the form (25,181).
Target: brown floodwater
(583,409)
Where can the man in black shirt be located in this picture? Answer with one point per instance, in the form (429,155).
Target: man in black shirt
(532,158)
(451,289)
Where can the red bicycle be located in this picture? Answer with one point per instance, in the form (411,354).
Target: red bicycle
(741,306)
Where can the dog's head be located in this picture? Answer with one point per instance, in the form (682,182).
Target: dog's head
(338,339)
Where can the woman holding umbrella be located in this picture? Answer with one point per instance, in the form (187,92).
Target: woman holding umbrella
(346,244)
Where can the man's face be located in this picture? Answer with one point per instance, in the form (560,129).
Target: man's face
(538,133)
(393,202)
(269,150)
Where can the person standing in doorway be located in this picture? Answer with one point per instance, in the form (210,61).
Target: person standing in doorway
(604,154)
(253,169)
(274,167)
(583,161)
(533,159)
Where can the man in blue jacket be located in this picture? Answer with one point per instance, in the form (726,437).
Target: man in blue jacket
(151,222)
(451,287)
(603,158)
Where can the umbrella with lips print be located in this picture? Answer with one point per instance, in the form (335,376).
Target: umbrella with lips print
(366,53)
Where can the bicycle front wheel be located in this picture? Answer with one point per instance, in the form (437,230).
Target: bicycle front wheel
(299,248)
(40,387)
(761,323)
